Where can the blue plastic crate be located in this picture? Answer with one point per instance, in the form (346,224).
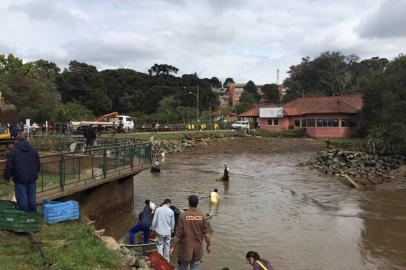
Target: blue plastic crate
(60,211)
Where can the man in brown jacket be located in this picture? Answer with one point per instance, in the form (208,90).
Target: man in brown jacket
(191,229)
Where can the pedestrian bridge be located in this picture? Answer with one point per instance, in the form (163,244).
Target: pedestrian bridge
(68,172)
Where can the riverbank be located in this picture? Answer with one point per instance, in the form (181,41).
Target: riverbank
(67,245)
(237,143)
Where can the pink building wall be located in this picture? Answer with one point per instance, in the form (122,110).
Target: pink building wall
(315,132)
(328,132)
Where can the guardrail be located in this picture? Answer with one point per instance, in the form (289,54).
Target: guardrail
(95,164)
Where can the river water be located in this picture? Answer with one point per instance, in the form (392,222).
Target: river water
(294,217)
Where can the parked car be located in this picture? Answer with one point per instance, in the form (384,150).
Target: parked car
(240,125)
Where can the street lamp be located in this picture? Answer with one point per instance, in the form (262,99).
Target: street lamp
(197,101)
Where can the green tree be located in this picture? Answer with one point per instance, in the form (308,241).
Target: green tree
(162,70)
(251,88)
(73,111)
(215,82)
(384,106)
(271,93)
(83,83)
(330,74)
(247,101)
(227,82)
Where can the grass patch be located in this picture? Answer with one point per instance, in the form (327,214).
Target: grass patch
(68,245)
(293,133)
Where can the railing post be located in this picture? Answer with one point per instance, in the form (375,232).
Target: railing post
(139,155)
(104,162)
(132,156)
(150,152)
(91,155)
(145,154)
(42,177)
(62,172)
(79,168)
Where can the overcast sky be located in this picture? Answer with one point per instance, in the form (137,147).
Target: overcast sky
(225,38)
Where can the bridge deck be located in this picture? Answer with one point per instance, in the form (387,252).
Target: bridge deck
(69,172)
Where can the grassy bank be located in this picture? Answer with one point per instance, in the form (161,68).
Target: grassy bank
(69,245)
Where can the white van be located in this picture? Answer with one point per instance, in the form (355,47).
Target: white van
(241,125)
(126,121)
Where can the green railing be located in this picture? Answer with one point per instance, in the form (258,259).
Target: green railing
(94,164)
(64,143)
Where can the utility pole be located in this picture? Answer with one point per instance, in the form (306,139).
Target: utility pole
(197,103)
(210,112)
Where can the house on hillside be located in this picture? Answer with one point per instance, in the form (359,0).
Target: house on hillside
(222,94)
(235,91)
(321,117)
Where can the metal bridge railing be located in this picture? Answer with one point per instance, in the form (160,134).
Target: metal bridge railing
(95,164)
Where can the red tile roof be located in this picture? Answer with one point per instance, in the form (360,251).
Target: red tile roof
(308,105)
(327,104)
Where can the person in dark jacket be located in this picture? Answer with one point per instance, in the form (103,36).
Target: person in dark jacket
(23,165)
(90,136)
(226,172)
(13,131)
(144,223)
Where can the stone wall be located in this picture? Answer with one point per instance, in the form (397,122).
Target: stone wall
(367,168)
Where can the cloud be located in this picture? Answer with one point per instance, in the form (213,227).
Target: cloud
(43,10)
(387,21)
(240,39)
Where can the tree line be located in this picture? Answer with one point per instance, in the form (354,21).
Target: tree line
(42,91)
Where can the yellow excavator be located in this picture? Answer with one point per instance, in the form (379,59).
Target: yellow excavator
(8,115)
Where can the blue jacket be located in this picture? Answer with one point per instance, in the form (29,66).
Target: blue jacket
(23,163)
(146,217)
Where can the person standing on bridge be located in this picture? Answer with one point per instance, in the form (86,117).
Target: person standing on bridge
(23,165)
(192,228)
(164,224)
(90,136)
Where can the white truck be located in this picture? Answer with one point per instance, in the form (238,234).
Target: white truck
(112,121)
(126,122)
(241,125)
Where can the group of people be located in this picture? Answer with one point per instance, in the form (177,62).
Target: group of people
(188,229)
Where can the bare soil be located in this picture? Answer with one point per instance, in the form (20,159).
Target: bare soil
(258,145)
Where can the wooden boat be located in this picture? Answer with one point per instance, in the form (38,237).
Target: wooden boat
(155,169)
(141,249)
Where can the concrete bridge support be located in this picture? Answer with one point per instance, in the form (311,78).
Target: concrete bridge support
(105,198)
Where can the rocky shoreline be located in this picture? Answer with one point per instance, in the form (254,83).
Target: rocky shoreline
(179,146)
(363,168)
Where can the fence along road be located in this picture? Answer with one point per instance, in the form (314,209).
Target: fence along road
(66,173)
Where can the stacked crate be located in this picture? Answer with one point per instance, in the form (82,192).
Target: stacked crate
(12,219)
(60,211)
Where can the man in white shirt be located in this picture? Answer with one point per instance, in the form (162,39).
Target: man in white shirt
(164,224)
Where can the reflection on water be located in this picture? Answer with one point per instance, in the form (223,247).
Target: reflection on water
(292,216)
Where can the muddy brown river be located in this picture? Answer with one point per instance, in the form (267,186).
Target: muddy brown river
(294,217)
